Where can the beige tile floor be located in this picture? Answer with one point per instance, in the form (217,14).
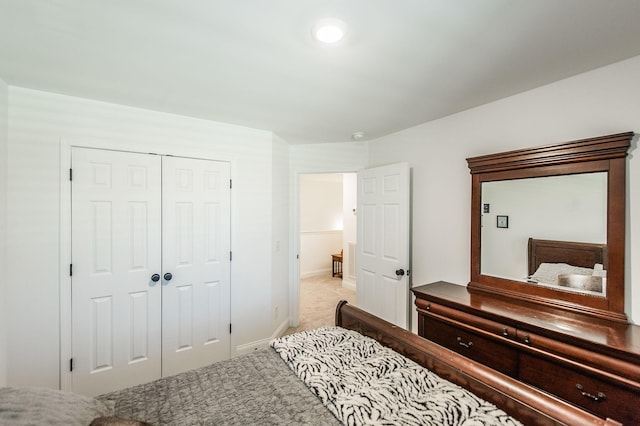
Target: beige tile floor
(319,296)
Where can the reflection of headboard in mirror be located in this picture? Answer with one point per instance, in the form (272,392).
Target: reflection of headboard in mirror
(600,154)
(577,254)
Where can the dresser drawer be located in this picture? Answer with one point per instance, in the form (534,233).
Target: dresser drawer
(444,312)
(483,350)
(599,361)
(593,393)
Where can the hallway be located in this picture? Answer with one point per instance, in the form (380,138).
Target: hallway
(319,296)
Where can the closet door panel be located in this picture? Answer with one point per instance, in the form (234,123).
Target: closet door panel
(116,242)
(196,247)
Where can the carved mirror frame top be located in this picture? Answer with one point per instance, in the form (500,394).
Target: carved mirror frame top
(601,154)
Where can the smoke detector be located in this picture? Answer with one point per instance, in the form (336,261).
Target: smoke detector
(356,136)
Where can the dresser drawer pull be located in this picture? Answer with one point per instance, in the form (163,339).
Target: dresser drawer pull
(464,344)
(428,306)
(527,339)
(505,332)
(598,398)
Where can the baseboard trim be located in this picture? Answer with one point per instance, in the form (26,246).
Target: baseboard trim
(315,273)
(349,284)
(263,343)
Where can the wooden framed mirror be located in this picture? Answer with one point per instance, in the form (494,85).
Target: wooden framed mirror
(550,227)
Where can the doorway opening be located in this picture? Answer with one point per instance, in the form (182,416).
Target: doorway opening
(327,230)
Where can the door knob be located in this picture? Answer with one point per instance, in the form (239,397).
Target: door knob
(155,278)
(399,272)
(168,276)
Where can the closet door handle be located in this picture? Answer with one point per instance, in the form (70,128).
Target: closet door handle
(155,278)
(168,276)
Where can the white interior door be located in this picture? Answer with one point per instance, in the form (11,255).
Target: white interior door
(116,241)
(383,261)
(196,252)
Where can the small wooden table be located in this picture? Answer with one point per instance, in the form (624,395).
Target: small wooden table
(337,265)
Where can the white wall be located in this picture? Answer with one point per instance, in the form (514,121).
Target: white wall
(599,102)
(321,202)
(4,141)
(38,123)
(350,228)
(280,256)
(321,222)
(316,248)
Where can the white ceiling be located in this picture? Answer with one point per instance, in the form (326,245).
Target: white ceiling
(253,62)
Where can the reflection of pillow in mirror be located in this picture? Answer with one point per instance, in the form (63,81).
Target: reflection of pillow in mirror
(548,272)
(582,282)
(599,271)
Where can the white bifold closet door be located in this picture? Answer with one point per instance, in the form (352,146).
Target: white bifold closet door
(151,268)
(195,250)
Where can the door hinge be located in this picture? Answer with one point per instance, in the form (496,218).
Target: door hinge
(70,174)
(71,269)
(71,364)
(230,256)
(229,328)
(230,183)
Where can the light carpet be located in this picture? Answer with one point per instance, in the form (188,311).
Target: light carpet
(319,296)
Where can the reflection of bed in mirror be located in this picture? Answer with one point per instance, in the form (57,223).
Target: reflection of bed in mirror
(572,265)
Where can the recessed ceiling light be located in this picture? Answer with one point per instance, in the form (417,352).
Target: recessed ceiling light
(329,30)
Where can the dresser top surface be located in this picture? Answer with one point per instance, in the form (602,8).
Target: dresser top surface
(624,338)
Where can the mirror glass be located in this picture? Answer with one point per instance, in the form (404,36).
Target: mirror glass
(564,208)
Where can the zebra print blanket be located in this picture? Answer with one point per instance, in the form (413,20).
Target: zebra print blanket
(364,383)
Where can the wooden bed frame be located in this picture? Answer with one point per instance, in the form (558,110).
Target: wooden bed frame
(529,405)
(577,254)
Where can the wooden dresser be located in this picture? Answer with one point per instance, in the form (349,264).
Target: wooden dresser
(590,363)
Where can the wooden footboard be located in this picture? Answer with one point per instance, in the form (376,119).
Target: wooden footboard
(525,403)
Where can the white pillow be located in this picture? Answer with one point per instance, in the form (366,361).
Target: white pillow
(548,272)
